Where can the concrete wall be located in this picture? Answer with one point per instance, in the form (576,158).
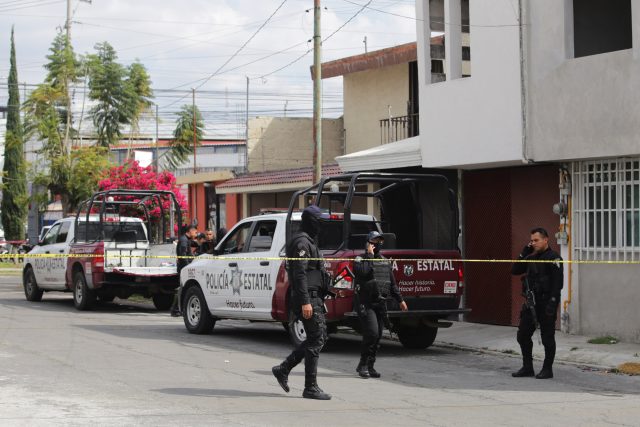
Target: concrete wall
(608,301)
(367,97)
(278,143)
(584,107)
(475,121)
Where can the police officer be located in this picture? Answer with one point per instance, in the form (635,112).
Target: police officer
(183,251)
(374,284)
(306,281)
(545,279)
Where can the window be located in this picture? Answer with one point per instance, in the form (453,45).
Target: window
(64,231)
(607,209)
(52,235)
(235,241)
(601,26)
(262,236)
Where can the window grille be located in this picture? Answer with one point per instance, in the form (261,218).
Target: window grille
(606,209)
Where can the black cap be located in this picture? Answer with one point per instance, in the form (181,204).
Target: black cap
(374,235)
(312,210)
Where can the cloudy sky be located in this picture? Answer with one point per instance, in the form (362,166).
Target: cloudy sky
(198,44)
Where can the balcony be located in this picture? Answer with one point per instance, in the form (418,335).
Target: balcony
(397,128)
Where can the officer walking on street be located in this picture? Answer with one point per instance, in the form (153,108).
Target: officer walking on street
(374,284)
(306,279)
(545,280)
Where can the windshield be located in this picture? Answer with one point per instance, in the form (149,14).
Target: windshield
(330,237)
(119,232)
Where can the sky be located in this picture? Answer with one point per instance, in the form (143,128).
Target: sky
(210,45)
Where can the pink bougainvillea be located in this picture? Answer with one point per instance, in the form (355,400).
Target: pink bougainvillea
(132,176)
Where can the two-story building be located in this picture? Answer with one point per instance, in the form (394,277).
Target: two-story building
(547,116)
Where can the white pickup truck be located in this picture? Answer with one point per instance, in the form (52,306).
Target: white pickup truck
(102,254)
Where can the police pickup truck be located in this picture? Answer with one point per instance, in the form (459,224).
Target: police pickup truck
(108,250)
(246,279)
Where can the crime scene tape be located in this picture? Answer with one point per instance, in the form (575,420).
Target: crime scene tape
(266,258)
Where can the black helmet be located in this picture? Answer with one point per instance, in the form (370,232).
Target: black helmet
(374,235)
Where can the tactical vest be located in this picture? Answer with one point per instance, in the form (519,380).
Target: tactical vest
(382,276)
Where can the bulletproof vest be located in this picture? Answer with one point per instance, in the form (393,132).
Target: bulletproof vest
(381,274)
(539,278)
(314,268)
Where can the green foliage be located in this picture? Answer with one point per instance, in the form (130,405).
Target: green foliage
(182,144)
(114,95)
(608,339)
(14,185)
(140,83)
(88,166)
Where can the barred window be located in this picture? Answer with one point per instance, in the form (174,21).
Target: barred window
(607,209)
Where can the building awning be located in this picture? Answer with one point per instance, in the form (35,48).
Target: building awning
(398,154)
(284,180)
(198,178)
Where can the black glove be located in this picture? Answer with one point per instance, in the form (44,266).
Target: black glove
(526,251)
(551,308)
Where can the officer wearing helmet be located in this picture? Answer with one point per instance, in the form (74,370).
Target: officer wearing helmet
(374,285)
(306,275)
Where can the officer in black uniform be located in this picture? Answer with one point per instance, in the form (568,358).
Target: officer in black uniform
(306,279)
(183,251)
(545,280)
(374,285)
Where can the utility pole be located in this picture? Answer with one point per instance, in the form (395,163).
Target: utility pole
(157,140)
(193,103)
(365,44)
(317,94)
(67,24)
(246,131)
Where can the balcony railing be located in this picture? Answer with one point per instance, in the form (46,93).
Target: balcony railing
(397,128)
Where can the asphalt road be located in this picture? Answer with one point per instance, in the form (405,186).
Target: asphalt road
(128,364)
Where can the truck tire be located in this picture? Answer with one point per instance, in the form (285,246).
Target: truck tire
(417,338)
(195,312)
(163,302)
(83,297)
(297,334)
(31,289)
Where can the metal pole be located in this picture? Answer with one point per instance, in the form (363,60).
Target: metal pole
(193,104)
(246,131)
(157,140)
(317,94)
(67,24)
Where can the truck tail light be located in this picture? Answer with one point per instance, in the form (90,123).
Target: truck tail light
(97,262)
(460,276)
(344,277)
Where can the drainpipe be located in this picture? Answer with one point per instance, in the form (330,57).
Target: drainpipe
(523,81)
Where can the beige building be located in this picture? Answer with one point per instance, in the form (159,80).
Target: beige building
(279,143)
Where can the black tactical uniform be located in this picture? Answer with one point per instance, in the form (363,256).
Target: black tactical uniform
(374,285)
(183,249)
(306,285)
(546,280)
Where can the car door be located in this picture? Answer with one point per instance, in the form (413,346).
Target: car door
(61,249)
(41,260)
(259,268)
(224,281)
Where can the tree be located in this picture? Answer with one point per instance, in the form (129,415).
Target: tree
(73,175)
(140,82)
(114,95)
(182,143)
(14,185)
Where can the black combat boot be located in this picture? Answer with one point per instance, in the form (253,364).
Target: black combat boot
(525,371)
(545,373)
(312,391)
(362,369)
(372,372)
(281,372)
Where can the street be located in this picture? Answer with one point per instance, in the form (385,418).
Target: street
(125,363)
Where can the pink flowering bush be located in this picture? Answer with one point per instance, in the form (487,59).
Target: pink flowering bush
(132,176)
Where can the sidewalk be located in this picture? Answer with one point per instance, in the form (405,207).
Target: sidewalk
(573,349)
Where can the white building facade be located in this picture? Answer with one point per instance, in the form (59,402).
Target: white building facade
(553,84)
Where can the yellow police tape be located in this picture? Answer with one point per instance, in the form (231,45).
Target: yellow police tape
(263,258)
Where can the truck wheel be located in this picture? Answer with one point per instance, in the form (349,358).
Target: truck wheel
(195,312)
(163,302)
(417,338)
(83,297)
(31,289)
(297,334)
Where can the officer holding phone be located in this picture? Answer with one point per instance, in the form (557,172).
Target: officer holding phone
(374,285)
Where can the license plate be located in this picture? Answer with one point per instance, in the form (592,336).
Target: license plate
(450,287)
